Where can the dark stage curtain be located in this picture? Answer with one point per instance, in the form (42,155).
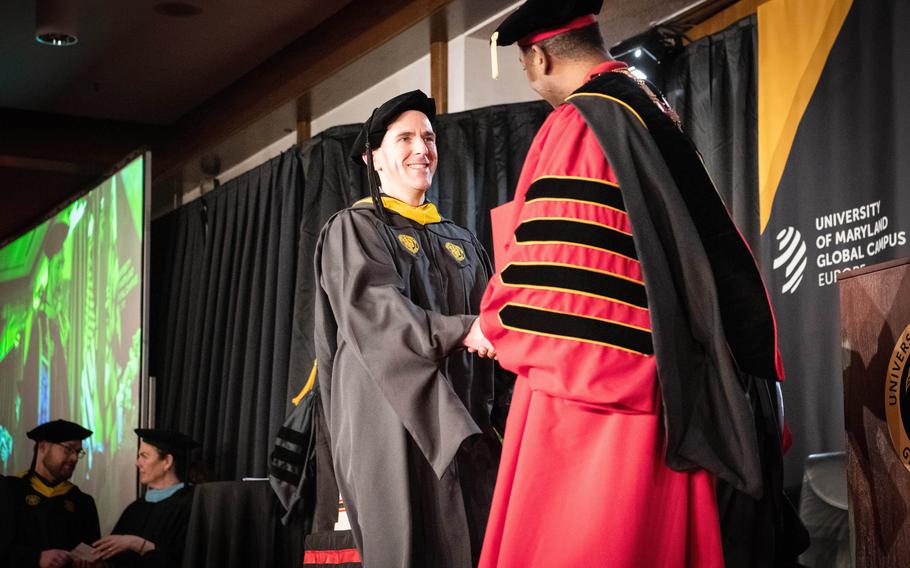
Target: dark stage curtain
(237,523)
(221,297)
(712,85)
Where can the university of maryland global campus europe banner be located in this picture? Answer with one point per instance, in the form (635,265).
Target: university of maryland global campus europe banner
(834,183)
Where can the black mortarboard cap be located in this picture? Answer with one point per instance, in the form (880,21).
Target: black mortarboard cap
(536,16)
(58,431)
(385,114)
(168,440)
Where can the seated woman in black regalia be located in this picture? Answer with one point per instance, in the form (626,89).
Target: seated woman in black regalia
(152,530)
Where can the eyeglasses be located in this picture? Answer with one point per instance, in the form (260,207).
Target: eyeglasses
(79,453)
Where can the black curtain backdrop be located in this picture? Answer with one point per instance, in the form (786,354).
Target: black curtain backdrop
(232,285)
(222,292)
(712,85)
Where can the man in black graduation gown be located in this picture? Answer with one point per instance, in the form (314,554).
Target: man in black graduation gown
(406,400)
(52,515)
(151,532)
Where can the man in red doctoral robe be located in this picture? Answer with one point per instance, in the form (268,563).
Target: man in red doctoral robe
(636,320)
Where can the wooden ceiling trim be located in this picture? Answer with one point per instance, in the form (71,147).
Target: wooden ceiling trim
(49,138)
(44,165)
(354,31)
(439,63)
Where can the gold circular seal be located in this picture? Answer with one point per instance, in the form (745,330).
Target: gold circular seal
(897,397)
(69,506)
(32,500)
(409,242)
(456,251)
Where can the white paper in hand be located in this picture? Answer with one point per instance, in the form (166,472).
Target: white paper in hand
(84,552)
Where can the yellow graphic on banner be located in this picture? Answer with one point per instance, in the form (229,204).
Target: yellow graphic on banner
(794,40)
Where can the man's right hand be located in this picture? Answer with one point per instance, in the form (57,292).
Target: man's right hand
(476,342)
(54,558)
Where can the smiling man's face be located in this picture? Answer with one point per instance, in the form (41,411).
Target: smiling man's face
(406,159)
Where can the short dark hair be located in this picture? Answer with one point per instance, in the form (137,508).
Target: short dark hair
(179,460)
(575,44)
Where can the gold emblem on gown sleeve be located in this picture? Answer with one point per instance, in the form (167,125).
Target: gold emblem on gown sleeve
(409,243)
(69,506)
(897,397)
(456,251)
(32,500)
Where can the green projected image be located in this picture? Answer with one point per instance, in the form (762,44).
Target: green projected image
(71,335)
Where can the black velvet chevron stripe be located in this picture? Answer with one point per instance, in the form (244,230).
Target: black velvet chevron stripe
(293,436)
(576,327)
(574,232)
(577,189)
(289,456)
(285,475)
(573,279)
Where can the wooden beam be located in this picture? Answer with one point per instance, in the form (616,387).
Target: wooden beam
(354,31)
(44,165)
(304,118)
(439,64)
(68,139)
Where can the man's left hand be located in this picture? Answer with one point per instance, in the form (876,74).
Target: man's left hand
(114,544)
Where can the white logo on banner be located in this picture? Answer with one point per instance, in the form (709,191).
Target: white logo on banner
(792,249)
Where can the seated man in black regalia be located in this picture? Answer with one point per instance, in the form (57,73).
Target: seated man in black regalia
(52,515)
(152,530)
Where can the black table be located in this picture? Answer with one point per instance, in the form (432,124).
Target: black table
(238,523)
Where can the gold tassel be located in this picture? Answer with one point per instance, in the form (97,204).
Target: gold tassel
(311,380)
(494,60)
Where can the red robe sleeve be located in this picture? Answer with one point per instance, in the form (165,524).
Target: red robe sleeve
(567,309)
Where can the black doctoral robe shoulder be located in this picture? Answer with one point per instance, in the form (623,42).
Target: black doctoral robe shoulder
(49,517)
(163,523)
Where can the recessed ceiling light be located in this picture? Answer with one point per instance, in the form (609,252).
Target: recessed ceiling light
(177,9)
(58,40)
(56,22)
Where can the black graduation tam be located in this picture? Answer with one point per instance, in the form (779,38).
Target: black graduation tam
(385,114)
(58,431)
(536,20)
(167,440)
